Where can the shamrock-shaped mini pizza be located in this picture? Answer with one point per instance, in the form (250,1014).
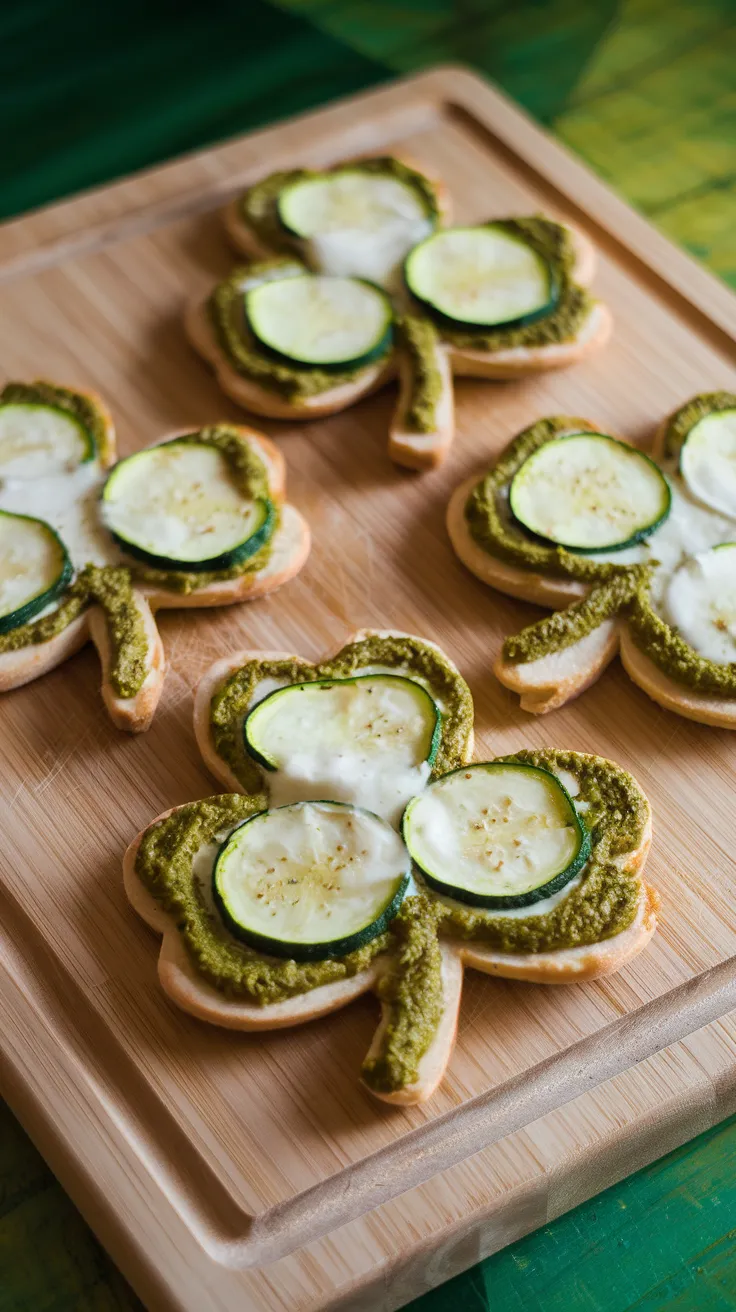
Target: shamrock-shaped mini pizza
(90,548)
(359,848)
(643,547)
(356,281)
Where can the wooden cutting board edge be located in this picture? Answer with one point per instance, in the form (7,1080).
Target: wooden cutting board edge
(69,1113)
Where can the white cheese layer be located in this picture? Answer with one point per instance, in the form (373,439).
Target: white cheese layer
(70,504)
(700,602)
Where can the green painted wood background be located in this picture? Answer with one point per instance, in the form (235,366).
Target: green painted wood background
(644,90)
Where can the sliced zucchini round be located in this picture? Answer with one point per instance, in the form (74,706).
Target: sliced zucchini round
(588,492)
(315,320)
(348,199)
(701,603)
(176,506)
(356,223)
(375,714)
(498,834)
(311,880)
(482,277)
(38,440)
(371,739)
(34,568)
(708,461)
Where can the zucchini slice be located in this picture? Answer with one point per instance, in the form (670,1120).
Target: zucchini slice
(311,880)
(708,461)
(34,568)
(372,738)
(356,223)
(498,834)
(316,320)
(701,603)
(38,440)
(176,506)
(482,277)
(589,492)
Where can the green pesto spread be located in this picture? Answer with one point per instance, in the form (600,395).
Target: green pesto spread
(111,588)
(566,627)
(492,527)
(572,307)
(79,407)
(250,476)
(420,339)
(232,700)
(248,357)
(258,206)
(679,424)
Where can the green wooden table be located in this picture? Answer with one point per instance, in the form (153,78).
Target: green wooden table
(643,90)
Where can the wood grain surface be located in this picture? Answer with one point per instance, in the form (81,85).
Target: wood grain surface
(227,1170)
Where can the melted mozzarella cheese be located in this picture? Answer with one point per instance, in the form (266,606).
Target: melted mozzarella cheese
(346,775)
(700,602)
(376,256)
(70,503)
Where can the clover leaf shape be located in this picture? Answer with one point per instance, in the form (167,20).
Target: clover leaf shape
(57,447)
(425,347)
(415,963)
(623,601)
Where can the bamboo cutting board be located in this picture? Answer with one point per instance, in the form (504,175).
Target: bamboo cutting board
(224,1170)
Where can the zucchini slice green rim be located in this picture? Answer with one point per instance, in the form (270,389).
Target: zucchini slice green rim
(69,431)
(257,900)
(48,583)
(549,484)
(314,320)
(708,461)
(476,856)
(261,715)
(122,498)
(445,273)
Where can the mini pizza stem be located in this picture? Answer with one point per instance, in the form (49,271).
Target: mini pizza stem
(411,990)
